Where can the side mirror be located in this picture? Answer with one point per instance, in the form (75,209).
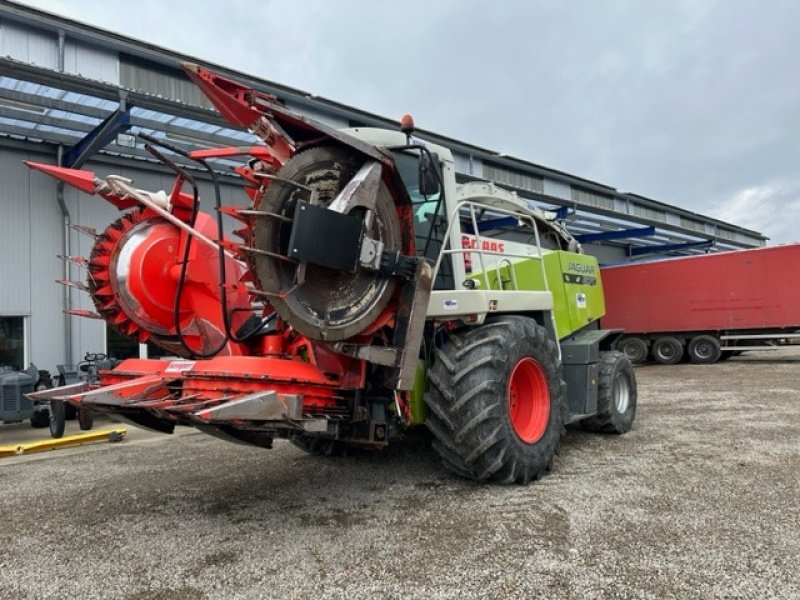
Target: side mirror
(428,177)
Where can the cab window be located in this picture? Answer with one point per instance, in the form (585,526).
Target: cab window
(429,225)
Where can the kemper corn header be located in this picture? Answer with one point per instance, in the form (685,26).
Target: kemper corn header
(367,293)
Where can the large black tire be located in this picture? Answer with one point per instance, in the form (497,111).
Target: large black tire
(667,350)
(479,419)
(704,350)
(57,418)
(320,446)
(635,348)
(85,419)
(616,395)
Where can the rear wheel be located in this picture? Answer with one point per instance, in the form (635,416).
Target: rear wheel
(704,350)
(635,348)
(616,395)
(667,350)
(496,398)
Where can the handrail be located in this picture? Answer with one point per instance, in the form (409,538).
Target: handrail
(512,274)
(447,249)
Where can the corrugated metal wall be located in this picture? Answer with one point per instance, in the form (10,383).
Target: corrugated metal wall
(30,238)
(134,75)
(41,49)
(91,63)
(28,45)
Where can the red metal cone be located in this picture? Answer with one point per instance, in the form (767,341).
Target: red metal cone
(83,180)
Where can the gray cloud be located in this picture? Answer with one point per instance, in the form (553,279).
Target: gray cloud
(692,103)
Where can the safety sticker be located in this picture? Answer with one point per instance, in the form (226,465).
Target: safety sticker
(580,300)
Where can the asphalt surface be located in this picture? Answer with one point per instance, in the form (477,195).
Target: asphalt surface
(700,500)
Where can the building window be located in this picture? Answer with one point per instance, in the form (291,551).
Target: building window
(12,341)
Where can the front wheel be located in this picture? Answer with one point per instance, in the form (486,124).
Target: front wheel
(616,395)
(496,397)
(57,418)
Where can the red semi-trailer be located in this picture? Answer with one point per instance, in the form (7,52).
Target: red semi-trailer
(707,307)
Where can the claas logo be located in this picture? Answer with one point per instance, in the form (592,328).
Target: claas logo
(487,245)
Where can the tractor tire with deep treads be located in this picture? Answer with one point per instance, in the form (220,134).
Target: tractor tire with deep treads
(496,400)
(616,395)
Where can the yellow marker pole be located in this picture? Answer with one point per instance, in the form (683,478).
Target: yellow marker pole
(92,437)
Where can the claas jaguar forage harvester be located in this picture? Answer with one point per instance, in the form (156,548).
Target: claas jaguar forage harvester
(365,293)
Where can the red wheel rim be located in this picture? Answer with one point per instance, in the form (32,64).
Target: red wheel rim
(528,400)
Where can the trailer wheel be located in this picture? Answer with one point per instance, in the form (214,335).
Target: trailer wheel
(496,397)
(667,350)
(704,350)
(321,446)
(616,395)
(85,419)
(635,348)
(57,418)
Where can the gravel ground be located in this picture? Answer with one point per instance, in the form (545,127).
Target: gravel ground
(700,500)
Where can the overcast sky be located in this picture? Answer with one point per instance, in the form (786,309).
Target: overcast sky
(694,103)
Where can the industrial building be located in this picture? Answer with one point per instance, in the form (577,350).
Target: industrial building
(74,95)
